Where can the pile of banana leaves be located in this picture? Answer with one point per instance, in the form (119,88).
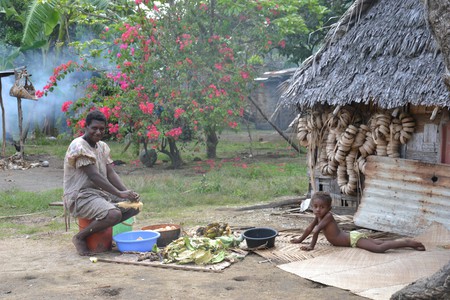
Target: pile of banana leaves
(200,250)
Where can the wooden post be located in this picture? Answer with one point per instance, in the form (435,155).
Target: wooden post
(3,122)
(20,117)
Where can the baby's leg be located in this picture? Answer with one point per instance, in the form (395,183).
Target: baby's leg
(380,246)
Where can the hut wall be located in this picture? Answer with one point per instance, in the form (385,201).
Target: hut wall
(329,184)
(425,144)
(267,96)
(263,98)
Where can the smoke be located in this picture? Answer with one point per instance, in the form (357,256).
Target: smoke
(43,115)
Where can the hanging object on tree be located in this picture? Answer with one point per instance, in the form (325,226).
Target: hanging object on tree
(23,87)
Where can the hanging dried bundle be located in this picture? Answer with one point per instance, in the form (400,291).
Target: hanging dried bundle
(408,125)
(343,144)
(23,87)
(303,132)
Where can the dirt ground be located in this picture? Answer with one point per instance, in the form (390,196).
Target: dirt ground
(46,266)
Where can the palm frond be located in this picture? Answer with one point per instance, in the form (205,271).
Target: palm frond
(99,4)
(41,15)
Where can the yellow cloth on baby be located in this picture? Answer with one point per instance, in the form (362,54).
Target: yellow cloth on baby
(355,236)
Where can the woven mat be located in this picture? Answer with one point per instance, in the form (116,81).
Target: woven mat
(373,275)
(286,252)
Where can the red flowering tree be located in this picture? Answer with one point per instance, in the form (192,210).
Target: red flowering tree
(181,69)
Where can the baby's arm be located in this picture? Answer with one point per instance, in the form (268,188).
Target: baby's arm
(319,225)
(307,231)
(327,219)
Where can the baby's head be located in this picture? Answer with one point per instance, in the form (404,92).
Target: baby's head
(322,196)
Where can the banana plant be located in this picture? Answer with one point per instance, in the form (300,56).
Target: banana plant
(42,18)
(47,22)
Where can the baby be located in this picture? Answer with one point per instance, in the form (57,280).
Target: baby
(324,221)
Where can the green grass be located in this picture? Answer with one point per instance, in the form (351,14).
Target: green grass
(235,178)
(231,184)
(16,206)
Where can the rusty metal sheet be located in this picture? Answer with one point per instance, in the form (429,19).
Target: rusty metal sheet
(404,196)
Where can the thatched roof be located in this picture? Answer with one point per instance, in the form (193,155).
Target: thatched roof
(380,51)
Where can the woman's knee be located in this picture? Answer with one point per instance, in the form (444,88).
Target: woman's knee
(134,211)
(114,215)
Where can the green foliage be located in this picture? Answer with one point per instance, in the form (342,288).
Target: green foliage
(42,17)
(182,70)
(314,18)
(9,14)
(196,61)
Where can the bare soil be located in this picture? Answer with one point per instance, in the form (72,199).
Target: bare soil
(46,265)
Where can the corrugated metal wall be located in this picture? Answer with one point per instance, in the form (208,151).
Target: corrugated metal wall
(404,196)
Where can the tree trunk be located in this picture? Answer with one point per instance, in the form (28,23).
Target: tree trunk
(20,117)
(437,286)
(211,142)
(173,153)
(438,16)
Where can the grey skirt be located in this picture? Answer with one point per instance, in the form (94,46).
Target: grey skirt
(94,204)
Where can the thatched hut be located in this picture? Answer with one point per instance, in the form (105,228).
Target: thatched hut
(374,113)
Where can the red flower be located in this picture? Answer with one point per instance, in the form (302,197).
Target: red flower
(65,106)
(226,78)
(39,94)
(178,112)
(113,128)
(152,132)
(106,111)
(175,132)
(232,124)
(147,107)
(81,123)
(244,75)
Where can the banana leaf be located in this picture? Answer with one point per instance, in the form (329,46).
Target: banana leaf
(202,257)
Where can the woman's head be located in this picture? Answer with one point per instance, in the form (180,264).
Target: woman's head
(95,127)
(95,115)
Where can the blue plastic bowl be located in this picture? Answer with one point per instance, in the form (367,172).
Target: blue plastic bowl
(137,241)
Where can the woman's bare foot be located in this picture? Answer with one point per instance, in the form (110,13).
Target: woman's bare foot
(295,241)
(81,246)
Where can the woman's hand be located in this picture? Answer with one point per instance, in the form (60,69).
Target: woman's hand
(130,195)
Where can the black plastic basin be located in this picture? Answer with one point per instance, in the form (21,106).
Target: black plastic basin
(260,237)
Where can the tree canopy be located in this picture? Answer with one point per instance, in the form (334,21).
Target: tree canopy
(168,70)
